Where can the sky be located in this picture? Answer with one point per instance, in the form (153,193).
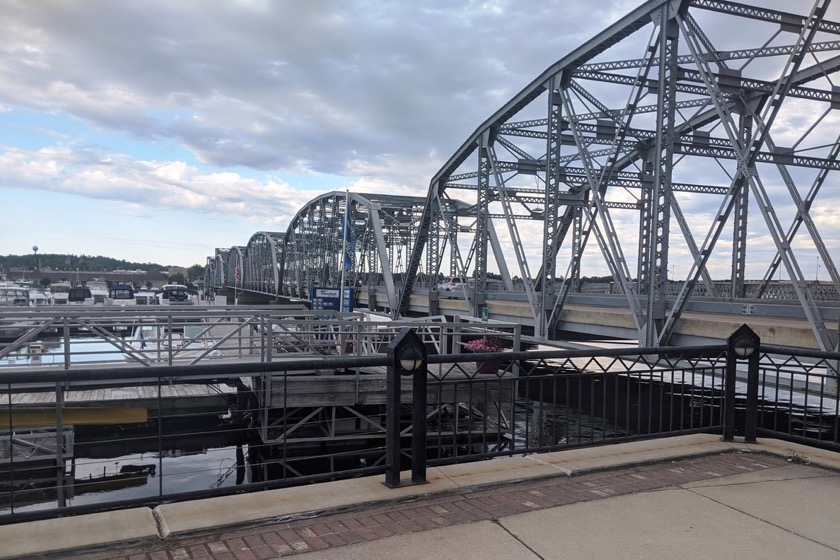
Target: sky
(158,131)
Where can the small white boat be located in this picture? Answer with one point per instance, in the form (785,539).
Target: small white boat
(80,295)
(98,289)
(14,296)
(60,292)
(175,294)
(121,294)
(146,297)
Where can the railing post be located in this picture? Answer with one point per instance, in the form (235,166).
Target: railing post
(742,344)
(406,357)
(751,414)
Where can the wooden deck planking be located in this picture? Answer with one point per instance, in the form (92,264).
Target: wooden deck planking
(370,389)
(174,398)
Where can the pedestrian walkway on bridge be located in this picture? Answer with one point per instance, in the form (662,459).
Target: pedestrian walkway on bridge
(684,497)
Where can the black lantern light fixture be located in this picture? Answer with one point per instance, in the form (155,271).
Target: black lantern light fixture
(411,358)
(744,342)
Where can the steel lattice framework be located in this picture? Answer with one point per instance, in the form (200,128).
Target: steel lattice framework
(341,237)
(703,124)
(316,251)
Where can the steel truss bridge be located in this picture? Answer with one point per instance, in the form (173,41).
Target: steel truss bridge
(662,135)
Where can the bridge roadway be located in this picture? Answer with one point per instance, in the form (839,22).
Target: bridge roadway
(608,316)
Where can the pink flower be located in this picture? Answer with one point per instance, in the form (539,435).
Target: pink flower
(483,344)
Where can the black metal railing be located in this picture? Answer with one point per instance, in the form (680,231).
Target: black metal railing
(103,438)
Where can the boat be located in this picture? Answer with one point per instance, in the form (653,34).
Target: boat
(186,339)
(80,295)
(146,297)
(175,294)
(38,295)
(98,289)
(60,291)
(14,296)
(121,294)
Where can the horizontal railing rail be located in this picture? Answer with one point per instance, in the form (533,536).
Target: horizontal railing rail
(91,439)
(105,336)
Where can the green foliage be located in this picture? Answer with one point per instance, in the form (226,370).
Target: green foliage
(795,457)
(195,272)
(596,279)
(45,281)
(71,263)
(177,278)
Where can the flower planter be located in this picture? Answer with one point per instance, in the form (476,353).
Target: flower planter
(490,366)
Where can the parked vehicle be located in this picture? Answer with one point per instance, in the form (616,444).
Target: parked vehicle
(454,283)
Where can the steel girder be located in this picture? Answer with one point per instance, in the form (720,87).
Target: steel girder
(263,262)
(342,237)
(234,267)
(214,270)
(727,105)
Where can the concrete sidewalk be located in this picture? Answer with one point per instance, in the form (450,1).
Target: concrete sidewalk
(684,497)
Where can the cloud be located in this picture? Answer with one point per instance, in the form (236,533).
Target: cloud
(245,111)
(281,86)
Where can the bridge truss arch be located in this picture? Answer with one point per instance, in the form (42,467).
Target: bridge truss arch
(214,270)
(343,238)
(263,260)
(701,128)
(234,266)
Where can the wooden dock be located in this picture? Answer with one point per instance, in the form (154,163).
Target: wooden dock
(123,405)
(446,383)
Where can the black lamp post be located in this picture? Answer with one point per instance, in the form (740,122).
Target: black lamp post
(743,344)
(407,357)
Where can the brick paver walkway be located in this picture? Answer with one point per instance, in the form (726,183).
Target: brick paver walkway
(441,510)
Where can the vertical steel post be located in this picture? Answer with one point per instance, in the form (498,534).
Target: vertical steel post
(418,425)
(742,344)
(751,414)
(729,395)
(392,420)
(406,357)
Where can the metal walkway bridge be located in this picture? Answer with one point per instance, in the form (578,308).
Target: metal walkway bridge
(662,135)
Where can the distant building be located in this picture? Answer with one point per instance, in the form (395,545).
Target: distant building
(177,270)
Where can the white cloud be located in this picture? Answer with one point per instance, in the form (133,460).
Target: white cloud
(241,113)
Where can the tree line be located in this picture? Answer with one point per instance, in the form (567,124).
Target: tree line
(87,263)
(53,261)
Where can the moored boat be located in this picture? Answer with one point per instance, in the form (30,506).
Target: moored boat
(175,294)
(121,294)
(98,289)
(60,292)
(14,296)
